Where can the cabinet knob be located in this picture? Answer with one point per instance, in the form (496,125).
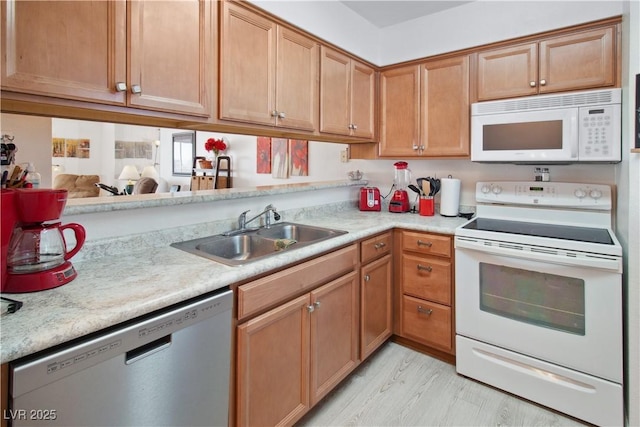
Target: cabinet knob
(425,268)
(416,146)
(423,310)
(316,305)
(543,82)
(379,245)
(274,113)
(121,86)
(354,127)
(310,308)
(136,89)
(422,243)
(281,115)
(367,277)
(532,83)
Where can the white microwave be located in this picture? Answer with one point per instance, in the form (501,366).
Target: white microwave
(566,128)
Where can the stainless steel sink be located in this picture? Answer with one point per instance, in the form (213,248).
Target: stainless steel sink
(298,232)
(253,245)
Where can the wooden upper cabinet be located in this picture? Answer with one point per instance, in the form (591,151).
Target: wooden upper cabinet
(68,49)
(425,109)
(582,60)
(363,100)
(578,61)
(508,72)
(78,50)
(297,80)
(347,95)
(269,74)
(170,65)
(445,107)
(400,111)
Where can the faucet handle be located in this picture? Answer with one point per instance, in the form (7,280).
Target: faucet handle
(242,219)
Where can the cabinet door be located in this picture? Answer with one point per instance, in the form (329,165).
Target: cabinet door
(297,77)
(375,305)
(170,64)
(508,72)
(67,49)
(335,92)
(247,66)
(363,89)
(400,111)
(334,334)
(578,61)
(445,108)
(273,366)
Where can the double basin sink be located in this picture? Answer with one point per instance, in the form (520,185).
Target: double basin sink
(253,245)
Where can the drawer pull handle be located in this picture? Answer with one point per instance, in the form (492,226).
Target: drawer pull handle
(425,268)
(427,244)
(423,310)
(380,245)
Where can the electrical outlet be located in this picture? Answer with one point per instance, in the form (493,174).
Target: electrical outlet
(344,156)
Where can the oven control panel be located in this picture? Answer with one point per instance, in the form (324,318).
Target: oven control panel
(552,194)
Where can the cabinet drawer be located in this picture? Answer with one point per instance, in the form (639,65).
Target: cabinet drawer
(427,322)
(375,247)
(260,294)
(427,277)
(426,243)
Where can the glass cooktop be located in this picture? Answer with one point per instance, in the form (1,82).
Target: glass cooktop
(564,232)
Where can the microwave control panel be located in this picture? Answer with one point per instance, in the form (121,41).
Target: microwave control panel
(599,133)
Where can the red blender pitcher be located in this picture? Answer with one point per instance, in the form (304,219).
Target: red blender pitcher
(37,256)
(400,199)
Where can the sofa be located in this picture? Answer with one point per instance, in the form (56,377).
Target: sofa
(78,186)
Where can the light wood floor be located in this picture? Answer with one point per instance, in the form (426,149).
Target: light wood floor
(401,387)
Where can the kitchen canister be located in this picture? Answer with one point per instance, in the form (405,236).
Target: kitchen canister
(449,196)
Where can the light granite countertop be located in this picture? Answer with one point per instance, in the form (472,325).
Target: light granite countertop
(118,288)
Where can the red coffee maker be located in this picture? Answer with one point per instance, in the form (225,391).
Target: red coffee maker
(34,250)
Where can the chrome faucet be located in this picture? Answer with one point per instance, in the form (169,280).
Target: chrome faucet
(243,221)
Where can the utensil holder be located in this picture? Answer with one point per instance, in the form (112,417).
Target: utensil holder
(426,207)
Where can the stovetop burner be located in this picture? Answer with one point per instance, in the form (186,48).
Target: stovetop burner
(554,231)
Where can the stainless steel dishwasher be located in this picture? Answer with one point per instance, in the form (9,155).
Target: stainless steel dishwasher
(169,369)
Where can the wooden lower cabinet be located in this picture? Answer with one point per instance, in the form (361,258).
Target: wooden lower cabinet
(426,294)
(376,297)
(294,354)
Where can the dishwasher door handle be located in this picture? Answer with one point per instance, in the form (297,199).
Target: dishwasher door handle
(132,356)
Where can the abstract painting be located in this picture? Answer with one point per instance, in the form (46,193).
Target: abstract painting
(298,157)
(263,155)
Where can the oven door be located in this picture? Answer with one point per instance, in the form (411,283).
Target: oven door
(569,315)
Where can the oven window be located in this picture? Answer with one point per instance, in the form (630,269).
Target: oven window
(540,299)
(523,136)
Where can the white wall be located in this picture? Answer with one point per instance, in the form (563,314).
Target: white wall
(469,25)
(628,177)
(484,21)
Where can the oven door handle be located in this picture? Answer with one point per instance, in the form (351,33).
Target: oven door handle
(514,250)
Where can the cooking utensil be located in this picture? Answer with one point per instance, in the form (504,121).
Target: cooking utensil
(416,189)
(435,186)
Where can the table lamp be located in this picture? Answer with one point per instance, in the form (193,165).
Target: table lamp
(129,173)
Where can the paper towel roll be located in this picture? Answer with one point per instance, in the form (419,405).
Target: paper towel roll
(450,196)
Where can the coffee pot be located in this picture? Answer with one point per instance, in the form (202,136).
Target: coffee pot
(36,255)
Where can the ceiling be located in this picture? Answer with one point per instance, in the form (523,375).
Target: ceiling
(384,13)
